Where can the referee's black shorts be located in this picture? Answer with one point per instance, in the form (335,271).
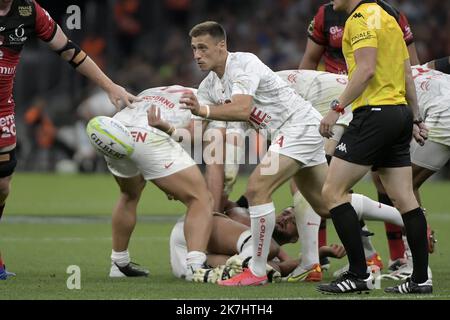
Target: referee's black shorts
(378,137)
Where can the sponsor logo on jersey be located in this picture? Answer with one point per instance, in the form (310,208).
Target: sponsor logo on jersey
(19,35)
(8,70)
(164,101)
(365,35)
(25,11)
(358,15)
(336,32)
(292,78)
(2,29)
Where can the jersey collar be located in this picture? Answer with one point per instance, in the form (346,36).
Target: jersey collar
(360,3)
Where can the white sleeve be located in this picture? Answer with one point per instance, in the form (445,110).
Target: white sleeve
(245,81)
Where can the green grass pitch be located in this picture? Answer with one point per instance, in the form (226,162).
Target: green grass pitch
(55,221)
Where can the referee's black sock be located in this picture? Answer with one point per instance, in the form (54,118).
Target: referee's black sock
(393,232)
(384,198)
(242,202)
(347,226)
(416,233)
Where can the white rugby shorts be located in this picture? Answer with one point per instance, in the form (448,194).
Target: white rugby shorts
(300,142)
(155,156)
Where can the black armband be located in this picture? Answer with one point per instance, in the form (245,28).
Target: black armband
(442,65)
(78,56)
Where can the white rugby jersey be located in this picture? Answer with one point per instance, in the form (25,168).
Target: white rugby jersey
(433,94)
(274,101)
(166,98)
(319,88)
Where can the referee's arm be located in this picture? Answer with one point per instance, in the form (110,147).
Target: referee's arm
(366,63)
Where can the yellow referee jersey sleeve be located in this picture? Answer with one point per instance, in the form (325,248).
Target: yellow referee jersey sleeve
(361,36)
(369,26)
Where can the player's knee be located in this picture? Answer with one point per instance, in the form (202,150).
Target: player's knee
(131,196)
(330,195)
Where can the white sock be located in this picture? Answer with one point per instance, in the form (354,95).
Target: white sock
(195,260)
(262,225)
(308,223)
(120,258)
(244,244)
(369,249)
(368,209)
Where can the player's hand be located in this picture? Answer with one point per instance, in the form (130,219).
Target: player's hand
(327,123)
(334,251)
(189,101)
(420,133)
(155,120)
(120,97)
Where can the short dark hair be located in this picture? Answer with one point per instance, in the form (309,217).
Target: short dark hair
(212,28)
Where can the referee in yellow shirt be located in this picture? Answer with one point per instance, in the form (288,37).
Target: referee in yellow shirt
(385,118)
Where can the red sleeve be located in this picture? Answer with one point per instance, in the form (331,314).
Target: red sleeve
(404,25)
(45,26)
(315,30)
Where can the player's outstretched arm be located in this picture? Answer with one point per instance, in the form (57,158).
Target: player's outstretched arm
(442,65)
(312,56)
(78,59)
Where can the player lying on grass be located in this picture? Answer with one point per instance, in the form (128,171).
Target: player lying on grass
(161,160)
(231,236)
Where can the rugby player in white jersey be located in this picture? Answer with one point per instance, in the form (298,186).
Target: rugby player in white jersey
(241,88)
(160,159)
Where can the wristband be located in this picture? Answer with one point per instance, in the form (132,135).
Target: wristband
(208,110)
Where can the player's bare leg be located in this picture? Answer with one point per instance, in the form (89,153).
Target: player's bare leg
(262,212)
(189,187)
(7,165)
(123,223)
(420,175)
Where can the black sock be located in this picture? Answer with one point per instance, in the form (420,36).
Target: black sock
(416,233)
(347,226)
(384,198)
(242,202)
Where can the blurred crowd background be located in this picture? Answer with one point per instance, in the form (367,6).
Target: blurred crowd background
(143,44)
